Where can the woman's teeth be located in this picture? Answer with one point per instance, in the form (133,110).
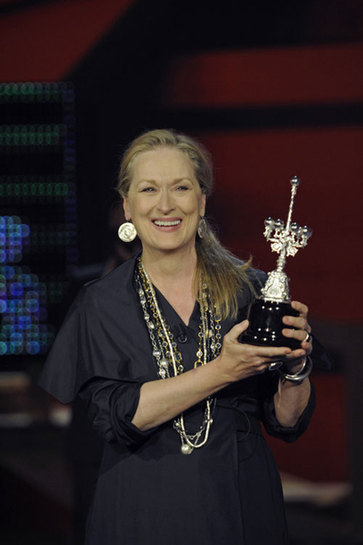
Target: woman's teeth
(164,223)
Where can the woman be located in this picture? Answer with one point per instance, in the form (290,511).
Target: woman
(153,351)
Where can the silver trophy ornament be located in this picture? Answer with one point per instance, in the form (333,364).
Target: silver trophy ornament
(265,314)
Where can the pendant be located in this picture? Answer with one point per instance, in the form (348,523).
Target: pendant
(164,363)
(186,449)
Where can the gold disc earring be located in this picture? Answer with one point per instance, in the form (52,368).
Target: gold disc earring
(127,232)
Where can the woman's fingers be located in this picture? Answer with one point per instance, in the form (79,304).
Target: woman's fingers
(296,354)
(237,329)
(252,351)
(269,352)
(298,322)
(300,307)
(301,327)
(241,360)
(300,334)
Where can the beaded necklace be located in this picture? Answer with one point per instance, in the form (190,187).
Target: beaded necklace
(167,357)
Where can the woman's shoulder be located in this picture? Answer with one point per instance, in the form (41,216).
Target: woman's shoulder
(116,283)
(257,277)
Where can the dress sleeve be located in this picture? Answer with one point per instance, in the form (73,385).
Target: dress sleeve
(111,406)
(94,357)
(62,373)
(288,434)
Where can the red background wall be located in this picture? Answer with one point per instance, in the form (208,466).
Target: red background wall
(253,171)
(253,168)
(45,41)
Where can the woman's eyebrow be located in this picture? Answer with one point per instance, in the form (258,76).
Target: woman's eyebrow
(175,181)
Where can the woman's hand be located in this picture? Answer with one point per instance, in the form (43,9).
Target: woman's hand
(301,332)
(238,360)
(291,399)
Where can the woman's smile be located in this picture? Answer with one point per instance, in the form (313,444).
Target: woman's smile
(167,224)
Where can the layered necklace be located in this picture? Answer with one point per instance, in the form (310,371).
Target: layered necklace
(168,358)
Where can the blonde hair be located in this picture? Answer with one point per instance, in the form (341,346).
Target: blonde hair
(216,266)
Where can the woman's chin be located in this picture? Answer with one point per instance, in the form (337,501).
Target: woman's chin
(170,247)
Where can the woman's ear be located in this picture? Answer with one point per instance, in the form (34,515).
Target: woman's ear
(126,209)
(202,205)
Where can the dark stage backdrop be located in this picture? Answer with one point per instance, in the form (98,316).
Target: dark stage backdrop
(273,92)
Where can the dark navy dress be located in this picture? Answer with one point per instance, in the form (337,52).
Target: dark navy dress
(148,492)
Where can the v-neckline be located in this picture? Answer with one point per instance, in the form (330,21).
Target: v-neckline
(172,315)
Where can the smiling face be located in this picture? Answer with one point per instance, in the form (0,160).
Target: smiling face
(164,200)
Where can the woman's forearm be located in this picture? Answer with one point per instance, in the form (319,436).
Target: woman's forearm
(290,401)
(162,400)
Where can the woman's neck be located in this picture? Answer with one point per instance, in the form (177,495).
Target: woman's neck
(166,269)
(173,275)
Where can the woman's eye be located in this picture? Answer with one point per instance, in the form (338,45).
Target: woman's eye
(182,188)
(147,189)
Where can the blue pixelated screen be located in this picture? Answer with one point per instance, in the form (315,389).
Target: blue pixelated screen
(38,217)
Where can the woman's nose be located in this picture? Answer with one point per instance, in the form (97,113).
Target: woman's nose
(165,203)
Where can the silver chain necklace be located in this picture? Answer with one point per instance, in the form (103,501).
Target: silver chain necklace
(168,357)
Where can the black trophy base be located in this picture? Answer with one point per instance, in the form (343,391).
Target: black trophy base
(265,328)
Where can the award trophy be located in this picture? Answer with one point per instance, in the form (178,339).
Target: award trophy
(265,314)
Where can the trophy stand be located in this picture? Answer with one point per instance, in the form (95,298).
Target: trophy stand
(265,314)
